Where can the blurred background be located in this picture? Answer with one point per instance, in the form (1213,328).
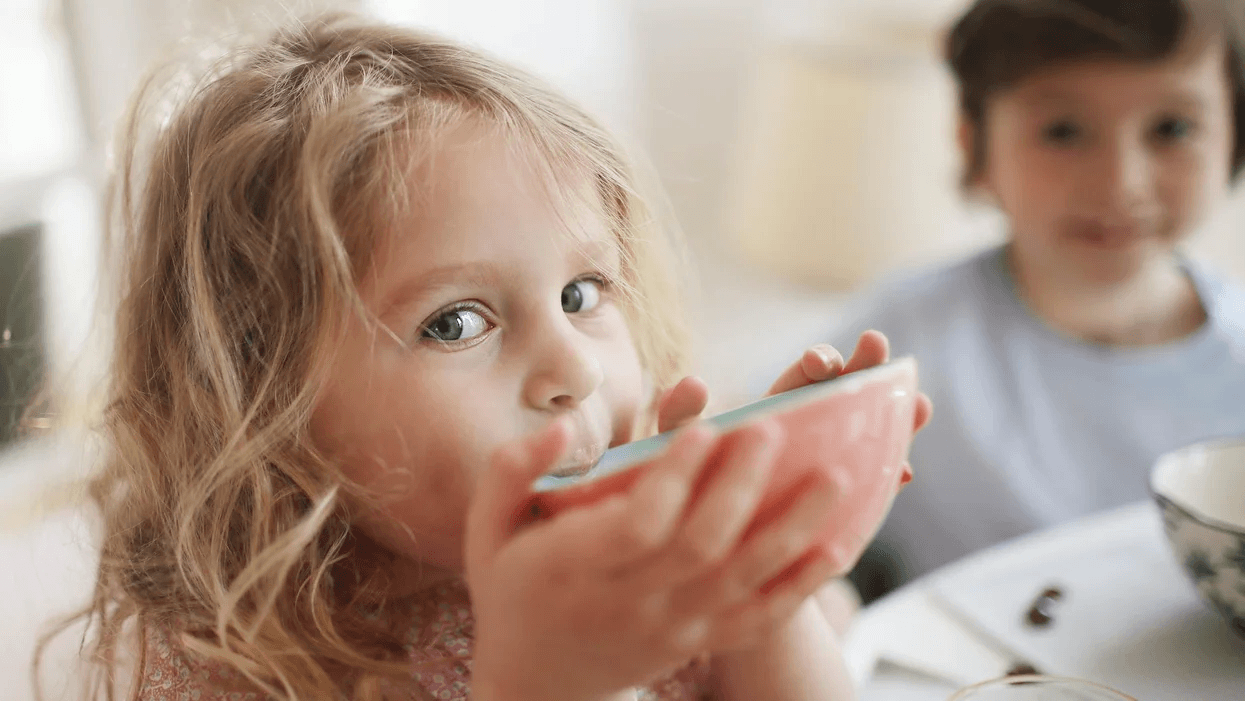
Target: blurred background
(806,147)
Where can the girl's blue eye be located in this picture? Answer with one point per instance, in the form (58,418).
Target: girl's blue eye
(1173,129)
(581,296)
(1062,132)
(455,325)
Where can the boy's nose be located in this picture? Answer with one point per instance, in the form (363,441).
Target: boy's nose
(564,369)
(1123,182)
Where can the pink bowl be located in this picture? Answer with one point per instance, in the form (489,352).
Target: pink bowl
(855,430)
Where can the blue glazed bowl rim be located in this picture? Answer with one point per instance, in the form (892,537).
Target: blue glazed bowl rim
(1187,511)
(1167,502)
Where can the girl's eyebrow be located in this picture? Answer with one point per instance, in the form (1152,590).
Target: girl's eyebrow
(592,251)
(427,282)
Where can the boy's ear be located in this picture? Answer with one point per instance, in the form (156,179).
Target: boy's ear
(974,180)
(964,134)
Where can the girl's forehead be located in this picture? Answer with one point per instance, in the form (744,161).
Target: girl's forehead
(476,160)
(478,184)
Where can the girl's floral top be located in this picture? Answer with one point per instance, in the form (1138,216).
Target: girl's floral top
(439,642)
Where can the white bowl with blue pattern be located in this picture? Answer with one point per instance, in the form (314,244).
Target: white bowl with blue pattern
(1201,491)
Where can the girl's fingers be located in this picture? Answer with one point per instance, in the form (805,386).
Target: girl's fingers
(777,546)
(682,404)
(905,475)
(872,349)
(839,602)
(657,501)
(584,537)
(712,528)
(924,410)
(504,488)
(764,613)
(821,362)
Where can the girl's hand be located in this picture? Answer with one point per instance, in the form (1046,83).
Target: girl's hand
(614,594)
(683,403)
(822,362)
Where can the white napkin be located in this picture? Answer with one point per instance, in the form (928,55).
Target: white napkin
(905,634)
(1129,618)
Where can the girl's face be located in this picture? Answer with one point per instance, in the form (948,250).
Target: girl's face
(1102,167)
(506,320)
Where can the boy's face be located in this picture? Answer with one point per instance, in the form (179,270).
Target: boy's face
(502,321)
(1104,166)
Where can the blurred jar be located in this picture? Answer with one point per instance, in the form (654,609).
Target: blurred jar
(847,165)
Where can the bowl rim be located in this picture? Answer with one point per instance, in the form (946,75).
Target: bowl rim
(1167,501)
(625,456)
(1017,680)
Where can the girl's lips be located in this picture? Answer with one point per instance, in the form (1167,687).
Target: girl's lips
(580,461)
(590,437)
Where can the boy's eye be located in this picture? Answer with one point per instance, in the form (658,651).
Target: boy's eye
(455,325)
(1172,129)
(1062,132)
(581,296)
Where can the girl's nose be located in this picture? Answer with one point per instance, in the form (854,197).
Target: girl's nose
(564,369)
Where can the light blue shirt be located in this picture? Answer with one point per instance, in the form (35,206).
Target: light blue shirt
(1032,428)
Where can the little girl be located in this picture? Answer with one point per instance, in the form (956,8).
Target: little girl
(375,285)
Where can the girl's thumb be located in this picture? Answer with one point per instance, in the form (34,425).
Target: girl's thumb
(504,488)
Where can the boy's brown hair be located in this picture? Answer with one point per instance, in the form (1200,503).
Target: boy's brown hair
(996,44)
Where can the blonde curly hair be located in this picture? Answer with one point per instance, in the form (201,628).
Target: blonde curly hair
(244,208)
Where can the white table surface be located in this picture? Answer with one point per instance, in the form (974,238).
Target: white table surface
(1129,619)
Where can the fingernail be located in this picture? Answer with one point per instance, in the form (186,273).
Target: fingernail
(823,354)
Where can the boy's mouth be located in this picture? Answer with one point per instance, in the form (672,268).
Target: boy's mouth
(1108,236)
